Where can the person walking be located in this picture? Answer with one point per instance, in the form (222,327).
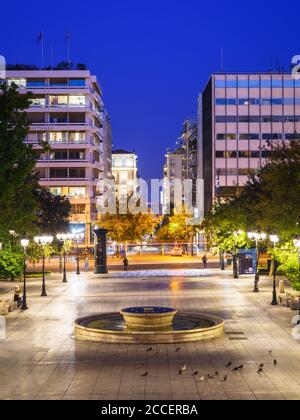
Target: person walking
(126,264)
(86,265)
(205,261)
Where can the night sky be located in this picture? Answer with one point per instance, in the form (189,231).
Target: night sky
(153,57)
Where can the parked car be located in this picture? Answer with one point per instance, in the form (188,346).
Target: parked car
(177,251)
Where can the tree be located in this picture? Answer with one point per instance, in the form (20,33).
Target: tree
(175,228)
(17,161)
(52,211)
(126,228)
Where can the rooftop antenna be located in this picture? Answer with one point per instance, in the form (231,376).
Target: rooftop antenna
(68,39)
(51,56)
(40,40)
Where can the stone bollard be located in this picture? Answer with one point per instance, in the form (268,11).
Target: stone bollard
(281,287)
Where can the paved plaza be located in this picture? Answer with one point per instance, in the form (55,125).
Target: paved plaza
(40,358)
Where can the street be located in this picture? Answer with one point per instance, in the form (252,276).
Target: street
(53,365)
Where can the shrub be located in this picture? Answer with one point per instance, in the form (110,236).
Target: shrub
(290,268)
(11,264)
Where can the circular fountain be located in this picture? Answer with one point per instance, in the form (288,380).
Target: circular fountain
(148,325)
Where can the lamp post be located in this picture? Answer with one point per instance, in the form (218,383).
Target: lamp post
(256,237)
(297,245)
(77,237)
(24,243)
(63,237)
(275,240)
(43,241)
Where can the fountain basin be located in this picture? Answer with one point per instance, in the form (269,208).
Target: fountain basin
(112,328)
(148,318)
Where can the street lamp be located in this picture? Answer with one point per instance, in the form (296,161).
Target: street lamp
(77,237)
(63,237)
(42,241)
(256,237)
(24,243)
(297,245)
(275,240)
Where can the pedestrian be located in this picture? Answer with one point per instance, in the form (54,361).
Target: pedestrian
(126,263)
(86,265)
(204,260)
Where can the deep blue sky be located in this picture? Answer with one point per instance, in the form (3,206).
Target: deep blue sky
(153,57)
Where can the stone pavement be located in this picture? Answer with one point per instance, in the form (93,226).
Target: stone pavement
(40,359)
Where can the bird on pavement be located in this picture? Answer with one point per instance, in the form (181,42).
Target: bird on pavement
(225,378)
(260,370)
(145,374)
(275,362)
(229,364)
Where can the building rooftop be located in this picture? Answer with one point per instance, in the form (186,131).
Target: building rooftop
(122,152)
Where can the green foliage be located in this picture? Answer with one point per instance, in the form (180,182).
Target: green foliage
(11,264)
(17,161)
(175,228)
(52,212)
(288,259)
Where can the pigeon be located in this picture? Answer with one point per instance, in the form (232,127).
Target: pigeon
(225,378)
(145,374)
(217,373)
(210,377)
(196,373)
(261,365)
(177,350)
(183,369)
(229,364)
(260,370)
(202,379)
(275,362)
(238,368)
(149,349)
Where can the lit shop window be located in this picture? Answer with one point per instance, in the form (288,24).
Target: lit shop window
(58,100)
(58,137)
(76,192)
(75,100)
(56,190)
(20,82)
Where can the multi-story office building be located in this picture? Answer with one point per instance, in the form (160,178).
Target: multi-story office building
(241,114)
(125,173)
(182,163)
(173,170)
(67,112)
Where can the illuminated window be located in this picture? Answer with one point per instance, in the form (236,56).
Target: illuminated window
(77,136)
(56,190)
(77,100)
(58,137)
(76,192)
(58,100)
(17,81)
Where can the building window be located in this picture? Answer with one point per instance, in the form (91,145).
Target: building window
(59,173)
(58,100)
(75,137)
(77,173)
(77,100)
(77,155)
(58,137)
(56,190)
(249,136)
(226,136)
(19,82)
(78,208)
(59,155)
(76,192)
